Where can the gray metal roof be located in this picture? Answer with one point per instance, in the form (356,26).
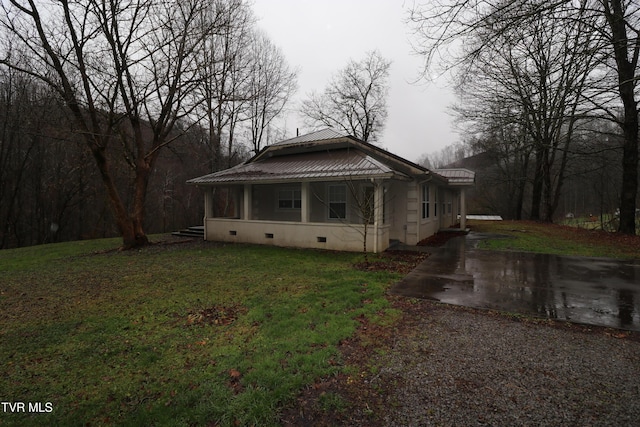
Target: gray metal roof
(320,135)
(326,165)
(329,156)
(457,176)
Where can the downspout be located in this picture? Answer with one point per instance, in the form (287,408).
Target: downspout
(463,210)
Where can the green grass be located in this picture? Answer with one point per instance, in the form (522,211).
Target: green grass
(177,335)
(557,239)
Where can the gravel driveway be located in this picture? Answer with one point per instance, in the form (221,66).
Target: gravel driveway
(453,366)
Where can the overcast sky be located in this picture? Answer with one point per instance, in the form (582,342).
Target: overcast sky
(320,36)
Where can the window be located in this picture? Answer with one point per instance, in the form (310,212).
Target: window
(435,202)
(337,201)
(289,199)
(425,201)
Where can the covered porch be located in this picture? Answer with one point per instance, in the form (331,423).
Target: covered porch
(343,214)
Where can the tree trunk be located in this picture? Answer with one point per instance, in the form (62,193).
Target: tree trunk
(522,185)
(536,195)
(629,170)
(130,226)
(614,13)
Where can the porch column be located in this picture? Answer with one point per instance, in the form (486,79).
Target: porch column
(208,208)
(305,202)
(463,210)
(208,203)
(246,200)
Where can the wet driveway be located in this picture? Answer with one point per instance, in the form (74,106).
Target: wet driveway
(596,291)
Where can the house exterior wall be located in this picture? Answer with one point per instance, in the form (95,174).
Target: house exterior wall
(413,216)
(343,237)
(446,208)
(396,199)
(318,207)
(417,227)
(264,203)
(224,201)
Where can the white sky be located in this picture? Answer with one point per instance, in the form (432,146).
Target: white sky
(320,36)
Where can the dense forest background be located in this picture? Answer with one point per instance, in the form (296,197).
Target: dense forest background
(504,176)
(107,108)
(49,189)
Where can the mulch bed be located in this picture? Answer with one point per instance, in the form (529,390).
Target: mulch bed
(440,238)
(397,261)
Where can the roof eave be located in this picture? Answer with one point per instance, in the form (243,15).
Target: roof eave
(334,178)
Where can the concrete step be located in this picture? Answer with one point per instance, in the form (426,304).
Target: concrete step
(193,231)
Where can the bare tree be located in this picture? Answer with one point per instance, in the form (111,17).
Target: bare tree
(533,76)
(440,27)
(355,101)
(223,76)
(623,37)
(123,70)
(271,84)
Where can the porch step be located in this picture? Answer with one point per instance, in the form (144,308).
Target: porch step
(193,231)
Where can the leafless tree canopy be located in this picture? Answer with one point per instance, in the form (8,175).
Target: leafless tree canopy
(542,66)
(271,84)
(355,101)
(134,76)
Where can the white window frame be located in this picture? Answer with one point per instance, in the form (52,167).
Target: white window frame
(332,214)
(425,201)
(291,195)
(435,202)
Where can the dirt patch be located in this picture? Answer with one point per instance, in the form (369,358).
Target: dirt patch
(396,261)
(356,402)
(359,402)
(440,238)
(216,315)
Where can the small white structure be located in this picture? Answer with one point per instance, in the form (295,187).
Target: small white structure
(328,190)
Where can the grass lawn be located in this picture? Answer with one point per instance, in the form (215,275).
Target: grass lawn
(181,334)
(557,239)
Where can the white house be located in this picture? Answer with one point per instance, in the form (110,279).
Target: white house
(322,189)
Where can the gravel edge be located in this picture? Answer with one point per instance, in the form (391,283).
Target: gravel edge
(452,366)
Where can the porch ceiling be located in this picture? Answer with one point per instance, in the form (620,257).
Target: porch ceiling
(320,165)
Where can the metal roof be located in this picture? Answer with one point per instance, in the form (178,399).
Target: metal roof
(320,135)
(457,176)
(326,165)
(329,156)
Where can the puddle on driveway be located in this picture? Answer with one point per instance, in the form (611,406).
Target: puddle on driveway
(594,291)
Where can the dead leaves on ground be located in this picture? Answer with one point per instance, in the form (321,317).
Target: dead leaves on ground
(216,315)
(394,261)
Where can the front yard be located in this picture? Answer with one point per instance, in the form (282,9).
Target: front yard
(197,333)
(176,334)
